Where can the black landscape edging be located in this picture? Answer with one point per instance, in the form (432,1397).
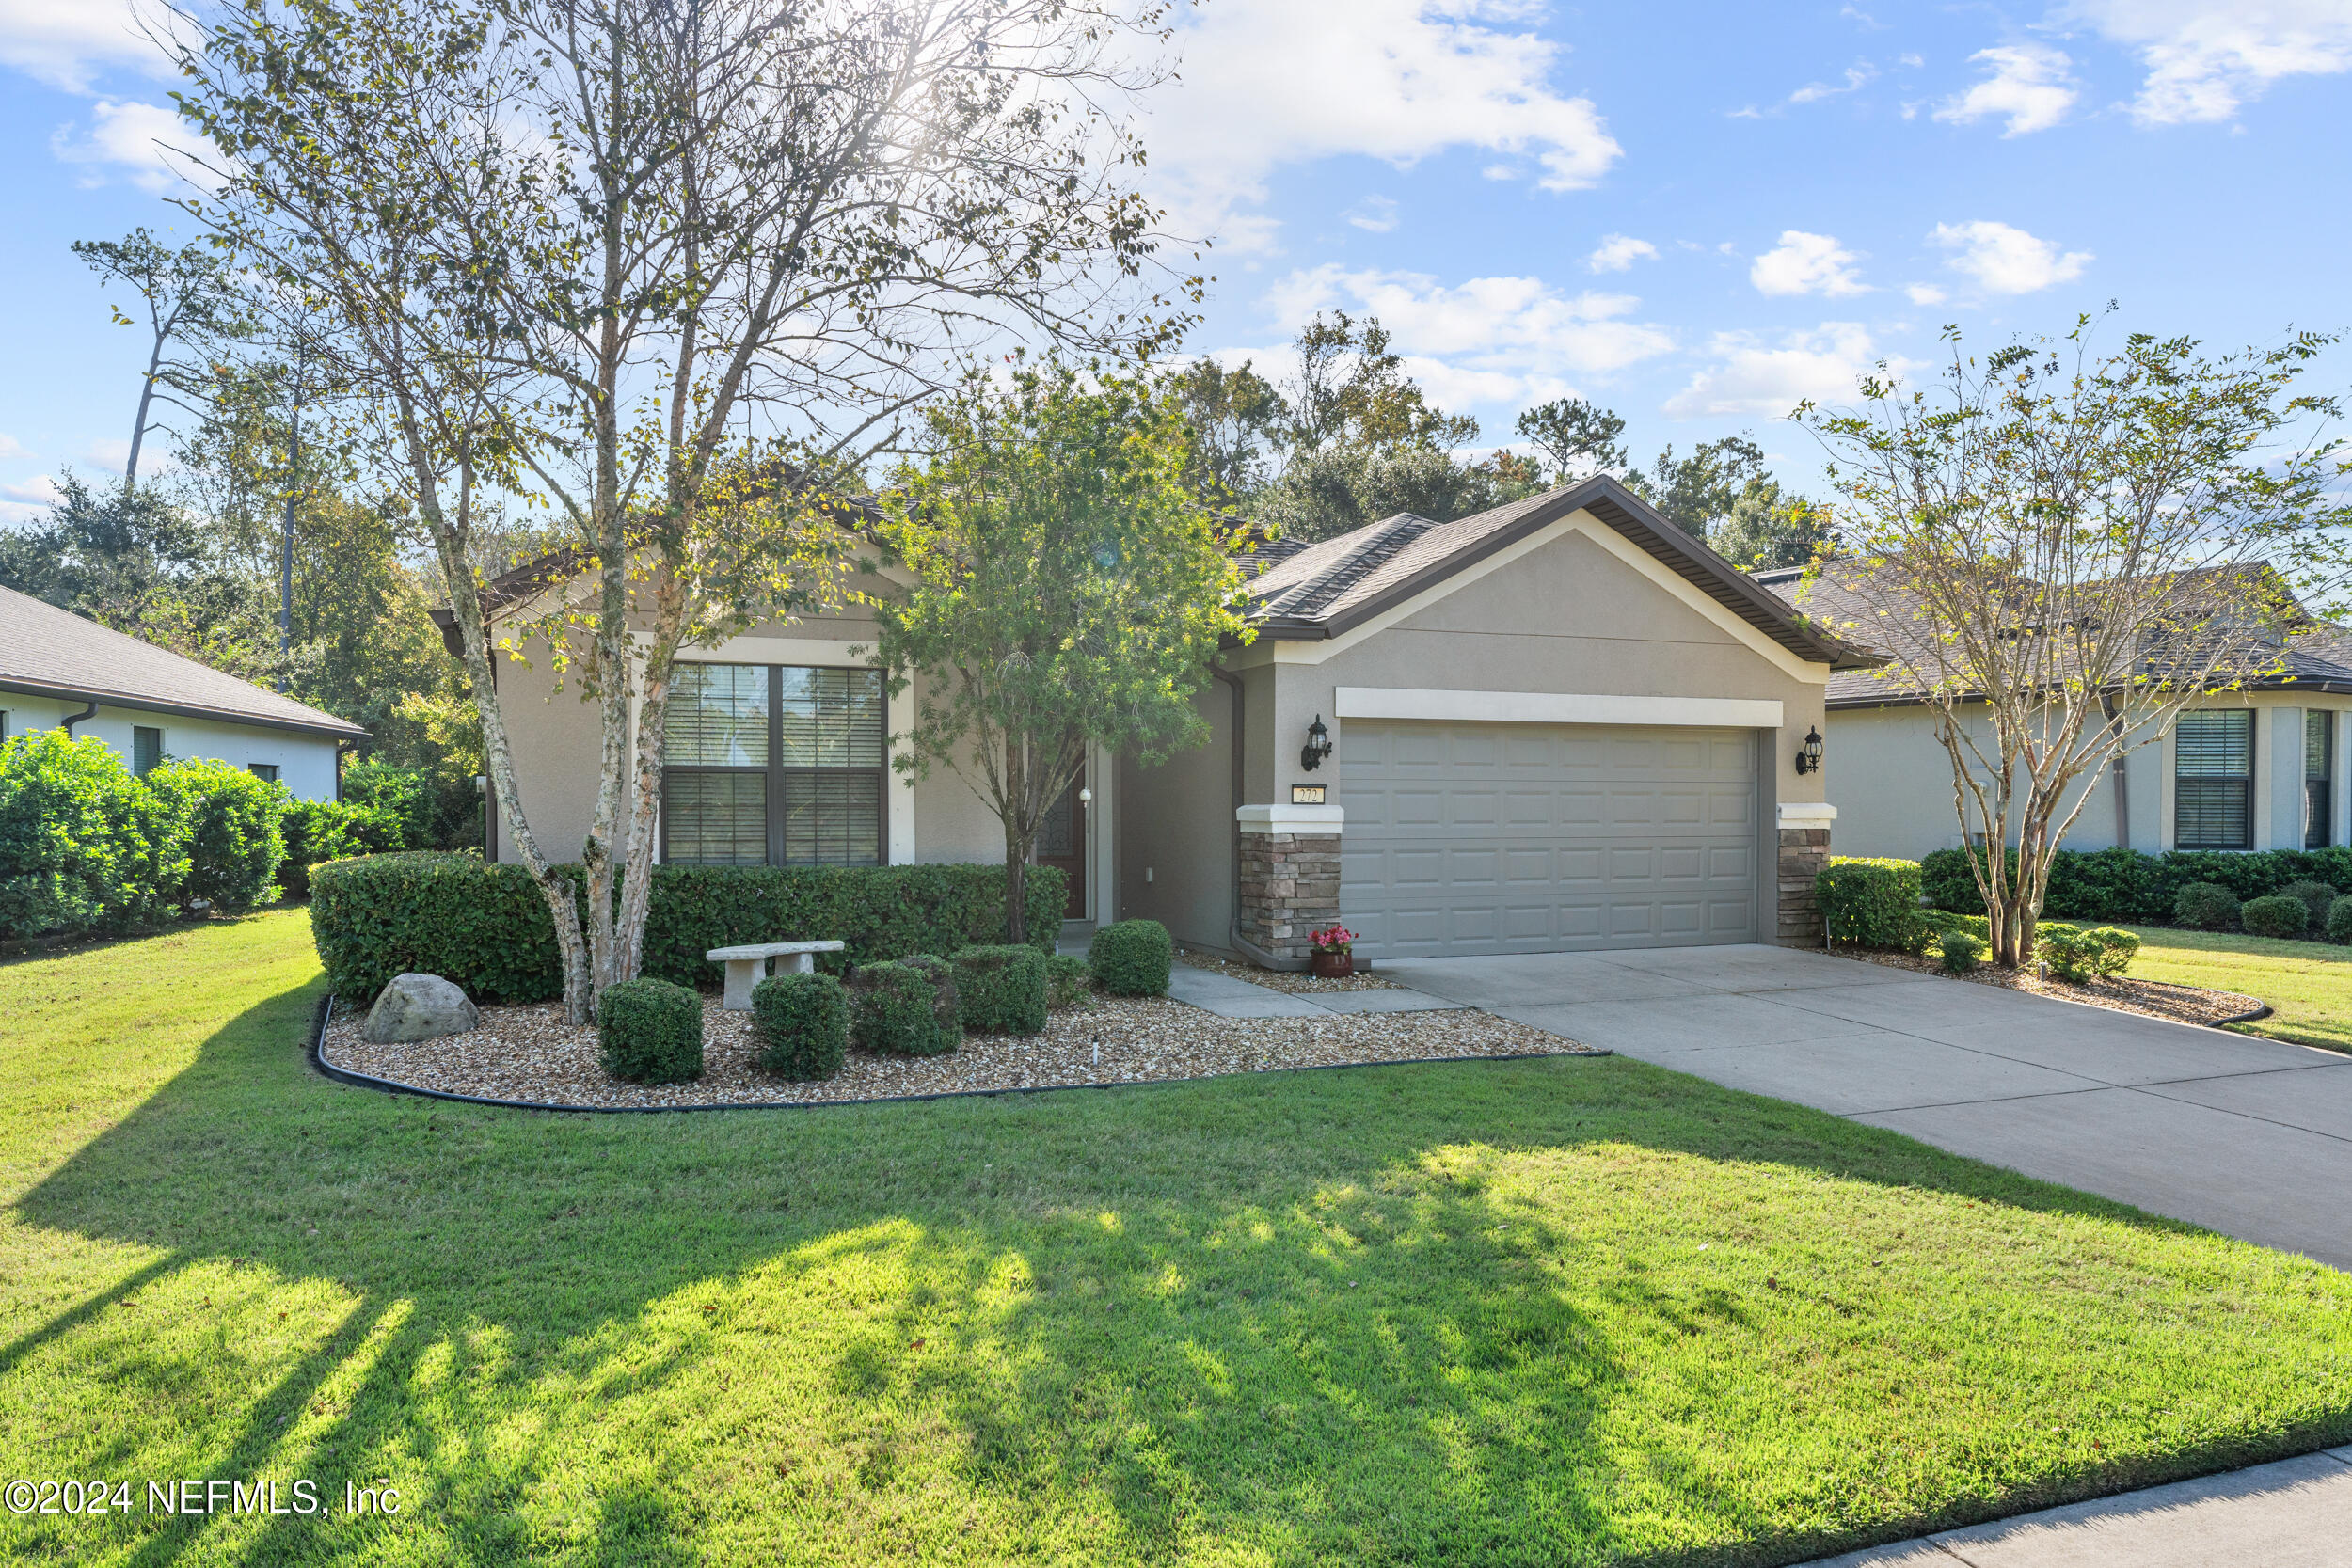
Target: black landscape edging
(326,1069)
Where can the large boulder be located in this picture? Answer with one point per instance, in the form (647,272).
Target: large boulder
(417,1008)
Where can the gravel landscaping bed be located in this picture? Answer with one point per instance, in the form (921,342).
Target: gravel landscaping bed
(530,1054)
(2151,998)
(1282,979)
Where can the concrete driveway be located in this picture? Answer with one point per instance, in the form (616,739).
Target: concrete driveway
(2246,1136)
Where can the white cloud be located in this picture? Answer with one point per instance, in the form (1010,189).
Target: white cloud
(1807,263)
(1269,83)
(131,136)
(2205,58)
(1767,378)
(1924,294)
(1486,341)
(1618,252)
(1858,75)
(20,503)
(67,42)
(2029,83)
(1374,213)
(11,447)
(2005,260)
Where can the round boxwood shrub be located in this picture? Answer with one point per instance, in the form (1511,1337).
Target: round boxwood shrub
(2274,916)
(1003,990)
(2340,919)
(946,999)
(1131,957)
(2317,899)
(801,1022)
(1960,953)
(650,1032)
(2206,906)
(1068,978)
(892,1010)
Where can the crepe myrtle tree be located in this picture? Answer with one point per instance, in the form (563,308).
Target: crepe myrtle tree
(1069,590)
(666,270)
(2061,549)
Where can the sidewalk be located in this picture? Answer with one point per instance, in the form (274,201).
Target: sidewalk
(2293,1513)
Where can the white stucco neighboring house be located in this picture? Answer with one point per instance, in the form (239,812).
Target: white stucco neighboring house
(2264,766)
(60,671)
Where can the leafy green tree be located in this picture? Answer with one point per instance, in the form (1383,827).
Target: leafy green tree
(1578,438)
(1236,418)
(1696,493)
(1768,527)
(1351,389)
(1070,589)
(189,305)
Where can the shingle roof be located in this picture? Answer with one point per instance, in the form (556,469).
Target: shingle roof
(50,652)
(2317,658)
(1327,587)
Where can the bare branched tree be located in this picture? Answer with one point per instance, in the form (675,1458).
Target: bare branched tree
(675,269)
(2061,550)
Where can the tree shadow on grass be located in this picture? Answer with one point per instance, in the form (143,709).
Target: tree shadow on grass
(1412,1314)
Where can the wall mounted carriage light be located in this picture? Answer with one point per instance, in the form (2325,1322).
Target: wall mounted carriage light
(1810,754)
(1318,746)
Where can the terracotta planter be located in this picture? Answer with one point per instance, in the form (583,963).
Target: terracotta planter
(1331,966)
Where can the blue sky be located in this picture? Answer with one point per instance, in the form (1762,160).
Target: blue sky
(1695,213)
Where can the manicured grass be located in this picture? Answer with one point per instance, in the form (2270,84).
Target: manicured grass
(1551,1311)
(2308,984)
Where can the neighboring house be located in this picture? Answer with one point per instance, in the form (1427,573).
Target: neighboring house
(2267,767)
(1561,725)
(59,670)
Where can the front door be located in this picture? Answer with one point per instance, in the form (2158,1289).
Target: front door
(1061,840)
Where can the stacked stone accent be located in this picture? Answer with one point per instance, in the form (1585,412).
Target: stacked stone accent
(1803,851)
(1290,885)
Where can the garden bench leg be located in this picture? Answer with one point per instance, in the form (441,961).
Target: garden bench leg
(744,976)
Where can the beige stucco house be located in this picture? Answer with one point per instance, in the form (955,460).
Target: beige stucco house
(2265,766)
(1561,725)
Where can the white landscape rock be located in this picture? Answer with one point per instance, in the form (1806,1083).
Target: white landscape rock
(417,1008)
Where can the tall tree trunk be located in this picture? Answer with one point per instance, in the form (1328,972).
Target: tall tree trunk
(138,425)
(1020,835)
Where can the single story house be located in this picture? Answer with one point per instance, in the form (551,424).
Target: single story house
(2265,766)
(1561,725)
(58,670)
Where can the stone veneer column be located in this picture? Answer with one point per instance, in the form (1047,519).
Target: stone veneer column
(1290,880)
(1803,829)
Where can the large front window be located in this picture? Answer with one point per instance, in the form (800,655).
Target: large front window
(2213,786)
(2319,782)
(775,765)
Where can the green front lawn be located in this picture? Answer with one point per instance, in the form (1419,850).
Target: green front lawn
(1529,1312)
(2308,984)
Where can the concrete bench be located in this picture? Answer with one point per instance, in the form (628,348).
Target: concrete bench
(747,966)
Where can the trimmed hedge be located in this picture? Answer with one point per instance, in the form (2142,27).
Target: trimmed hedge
(2274,916)
(2317,899)
(1131,958)
(1959,952)
(321,830)
(1003,990)
(233,840)
(2124,884)
(2099,953)
(1874,903)
(801,1022)
(1067,979)
(2340,919)
(893,1008)
(486,927)
(2206,906)
(650,1032)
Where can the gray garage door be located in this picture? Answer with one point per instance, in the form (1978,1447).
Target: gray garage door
(1541,838)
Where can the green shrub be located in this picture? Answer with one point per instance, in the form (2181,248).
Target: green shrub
(2123,884)
(2316,897)
(650,1032)
(320,830)
(486,926)
(435,808)
(84,847)
(1873,903)
(946,999)
(234,843)
(1067,979)
(1959,952)
(801,1022)
(2340,919)
(892,1010)
(1003,990)
(2081,955)
(2121,946)
(2206,906)
(1131,957)
(2274,916)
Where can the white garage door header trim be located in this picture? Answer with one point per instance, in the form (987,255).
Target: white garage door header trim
(1553,707)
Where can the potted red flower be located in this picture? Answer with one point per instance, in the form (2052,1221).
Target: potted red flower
(1334,956)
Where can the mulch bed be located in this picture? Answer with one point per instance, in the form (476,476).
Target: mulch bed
(2151,998)
(1279,979)
(528,1053)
